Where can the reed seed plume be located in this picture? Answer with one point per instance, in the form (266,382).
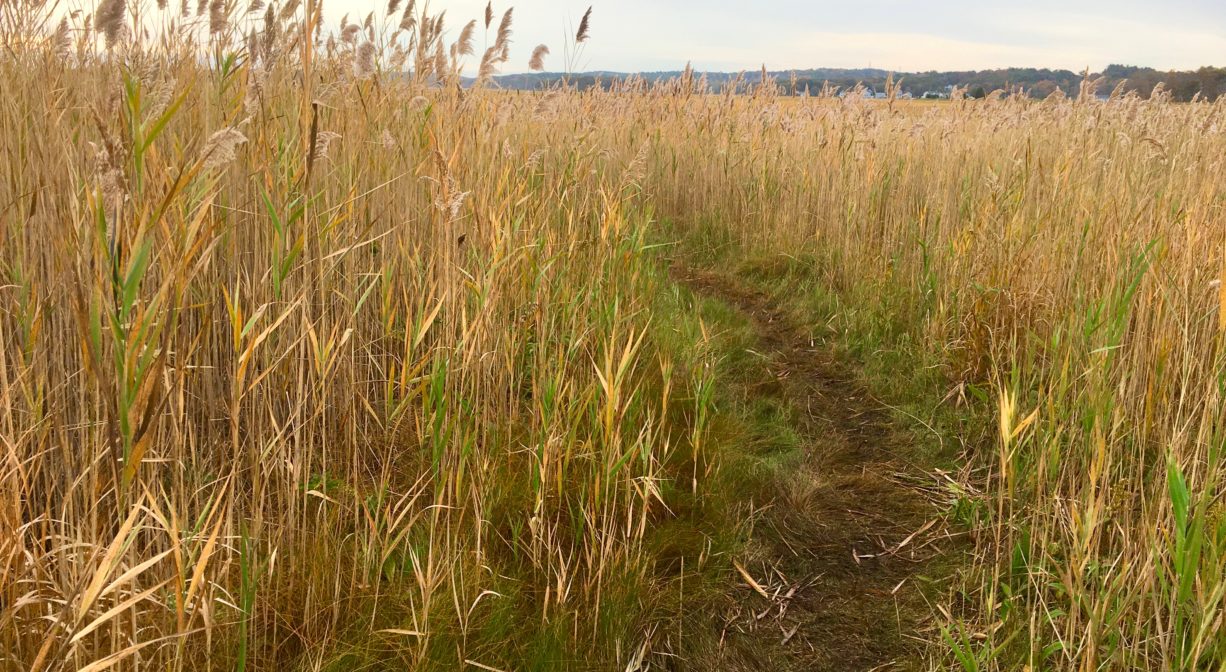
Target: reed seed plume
(436,26)
(534,160)
(489,64)
(218,16)
(221,147)
(499,52)
(108,20)
(408,19)
(441,66)
(364,61)
(268,38)
(253,99)
(545,109)
(503,41)
(464,46)
(537,62)
(108,171)
(323,143)
(489,14)
(61,40)
(581,35)
(398,59)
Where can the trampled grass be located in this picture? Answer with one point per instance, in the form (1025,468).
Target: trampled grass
(315,359)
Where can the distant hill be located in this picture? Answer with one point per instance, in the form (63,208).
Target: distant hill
(1209,82)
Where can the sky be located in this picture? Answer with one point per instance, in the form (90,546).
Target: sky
(899,35)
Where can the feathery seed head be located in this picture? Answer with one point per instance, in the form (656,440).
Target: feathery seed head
(61,41)
(221,147)
(323,141)
(537,62)
(108,20)
(464,46)
(219,17)
(364,61)
(581,35)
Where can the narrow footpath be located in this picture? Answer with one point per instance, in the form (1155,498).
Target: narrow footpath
(837,568)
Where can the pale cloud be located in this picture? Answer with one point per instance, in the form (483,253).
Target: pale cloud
(905,35)
(919,51)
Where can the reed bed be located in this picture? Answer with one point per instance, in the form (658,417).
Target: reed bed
(312,359)
(317,357)
(1062,262)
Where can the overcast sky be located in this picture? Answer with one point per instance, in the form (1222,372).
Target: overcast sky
(902,35)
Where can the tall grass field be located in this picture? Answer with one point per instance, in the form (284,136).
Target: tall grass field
(320,351)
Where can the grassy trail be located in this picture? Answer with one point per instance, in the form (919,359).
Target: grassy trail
(840,555)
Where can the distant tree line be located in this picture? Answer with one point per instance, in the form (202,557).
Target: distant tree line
(1208,82)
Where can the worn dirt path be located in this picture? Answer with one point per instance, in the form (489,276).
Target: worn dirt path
(835,575)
